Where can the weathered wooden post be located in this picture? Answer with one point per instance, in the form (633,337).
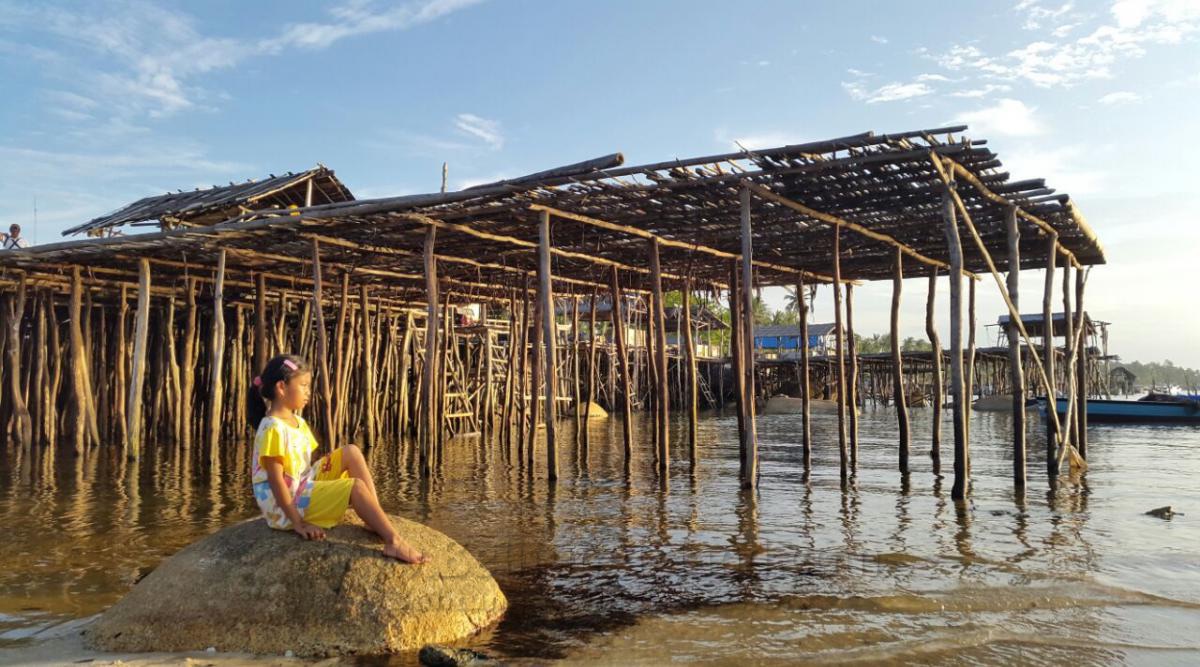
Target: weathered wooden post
(261,354)
(736,358)
(367,367)
(662,389)
(1015,369)
(805,377)
(216,388)
(1048,353)
(141,326)
(1082,374)
(852,385)
(429,422)
(689,351)
(839,337)
(592,378)
(936,399)
(899,398)
(750,467)
(546,301)
(962,449)
(618,323)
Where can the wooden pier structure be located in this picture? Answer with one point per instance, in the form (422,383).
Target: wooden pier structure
(479,311)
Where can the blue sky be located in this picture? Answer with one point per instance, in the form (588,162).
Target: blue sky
(104,103)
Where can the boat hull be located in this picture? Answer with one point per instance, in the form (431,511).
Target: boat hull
(1134,412)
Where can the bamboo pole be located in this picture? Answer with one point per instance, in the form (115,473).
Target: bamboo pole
(839,337)
(936,354)
(962,447)
(216,392)
(141,319)
(546,296)
(899,398)
(1016,370)
(618,322)
(750,479)
(805,376)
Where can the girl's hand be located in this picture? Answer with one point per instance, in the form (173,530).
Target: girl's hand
(309,531)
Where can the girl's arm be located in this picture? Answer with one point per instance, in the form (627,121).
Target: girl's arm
(283,498)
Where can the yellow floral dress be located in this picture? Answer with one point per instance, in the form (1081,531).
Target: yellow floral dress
(320,490)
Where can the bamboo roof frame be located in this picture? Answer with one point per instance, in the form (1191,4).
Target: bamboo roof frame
(883,188)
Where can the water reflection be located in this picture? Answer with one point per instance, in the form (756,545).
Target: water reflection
(614,566)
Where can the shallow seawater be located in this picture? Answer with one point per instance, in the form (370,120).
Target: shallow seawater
(610,568)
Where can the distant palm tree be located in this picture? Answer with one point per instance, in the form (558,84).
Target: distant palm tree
(791,303)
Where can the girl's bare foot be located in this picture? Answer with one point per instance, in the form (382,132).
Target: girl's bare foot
(404,552)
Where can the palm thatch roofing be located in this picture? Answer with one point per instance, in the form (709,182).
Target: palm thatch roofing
(884,192)
(220,203)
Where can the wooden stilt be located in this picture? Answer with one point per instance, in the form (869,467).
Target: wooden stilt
(429,423)
(1082,370)
(546,300)
(592,378)
(689,351)
(1015,368)
(14,313)
(962,447)
(325,379)
(662,391)
(805,375)
(839,337)
(187,366)
(216,360)
(618,322)
(852,398)
(141,323)
(937,391)
(1069,349)
(575,384)
(261,353)
(750,467)
(899,398)
(367,365)
(1048,355)
(535,381)
(736,358)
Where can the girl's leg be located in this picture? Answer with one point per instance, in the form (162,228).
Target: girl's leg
(366,505)
(356,464)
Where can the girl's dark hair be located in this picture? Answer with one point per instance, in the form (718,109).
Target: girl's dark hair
(262,388)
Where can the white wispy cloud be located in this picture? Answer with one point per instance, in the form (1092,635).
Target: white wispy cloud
(890,92)
(982,91)
(484,129)
(878,39)
(148,59)
(1056,61)
(1007,117)
(1120,97)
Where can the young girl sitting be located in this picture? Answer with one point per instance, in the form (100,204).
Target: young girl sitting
(293,493)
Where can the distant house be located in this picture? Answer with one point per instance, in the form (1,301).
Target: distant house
(782,341)
(217,204)
(1122,381)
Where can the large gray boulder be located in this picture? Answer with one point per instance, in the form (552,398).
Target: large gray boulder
(252,589)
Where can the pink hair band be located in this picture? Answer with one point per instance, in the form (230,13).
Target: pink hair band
(257,381)
(291,365)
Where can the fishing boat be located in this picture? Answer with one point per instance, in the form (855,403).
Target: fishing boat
(1176,410)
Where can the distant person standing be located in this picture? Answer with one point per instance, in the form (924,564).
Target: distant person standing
(13,239)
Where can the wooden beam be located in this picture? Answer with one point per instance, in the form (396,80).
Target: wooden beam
(962,448)
(672,243)
(835,221)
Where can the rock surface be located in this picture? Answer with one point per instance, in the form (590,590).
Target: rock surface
(252,589)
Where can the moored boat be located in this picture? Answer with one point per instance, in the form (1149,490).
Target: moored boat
(1136,412)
